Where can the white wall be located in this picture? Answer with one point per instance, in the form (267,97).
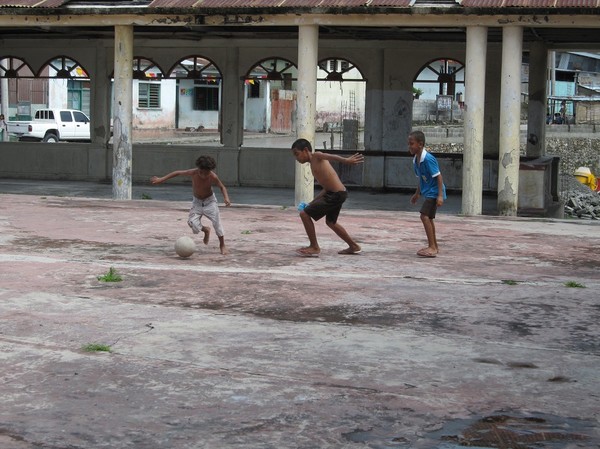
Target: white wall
(190,118)
(334,101)
(57,94)
(161,118)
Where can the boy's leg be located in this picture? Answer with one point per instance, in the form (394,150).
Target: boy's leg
(212,213)
(434,235)
(222,246)
(309,227)
(428,211)
(431,250)
(353,247)
(206,231)
(335,202)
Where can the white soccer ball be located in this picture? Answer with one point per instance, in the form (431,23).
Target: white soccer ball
(185,246)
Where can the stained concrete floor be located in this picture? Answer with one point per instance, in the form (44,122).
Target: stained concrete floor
(483,346)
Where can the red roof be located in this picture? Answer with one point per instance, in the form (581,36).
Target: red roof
(286,5)
(530,3)
(32,3)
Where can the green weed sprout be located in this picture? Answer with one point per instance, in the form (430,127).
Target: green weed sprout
(573,284)
(111,276)
(95,347)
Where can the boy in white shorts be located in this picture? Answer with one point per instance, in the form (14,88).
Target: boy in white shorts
(205,201)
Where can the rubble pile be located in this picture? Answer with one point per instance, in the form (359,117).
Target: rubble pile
(580,200)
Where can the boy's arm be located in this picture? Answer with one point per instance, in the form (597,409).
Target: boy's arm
(221,186)
(356,158)
(157,180)
(440,184)
(417,194)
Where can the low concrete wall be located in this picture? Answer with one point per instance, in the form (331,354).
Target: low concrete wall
(255,167)
(68,161)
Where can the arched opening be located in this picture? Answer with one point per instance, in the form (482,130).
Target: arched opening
(439,89)
(61,82)
(270,98)
(68,85)
(16,81)
(198,97)
(341,91)
(151,100)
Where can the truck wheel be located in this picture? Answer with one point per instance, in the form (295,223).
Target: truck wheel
(50,138)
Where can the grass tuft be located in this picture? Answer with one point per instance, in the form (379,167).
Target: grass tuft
(95,347)
(111,276)
(246,232)
(509,282)
(573,284)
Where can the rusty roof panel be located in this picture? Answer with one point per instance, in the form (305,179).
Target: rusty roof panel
(32,3)
(390,3)
(222,4)
(172,4)
(530,3)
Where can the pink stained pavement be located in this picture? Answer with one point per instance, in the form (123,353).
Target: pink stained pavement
(262,348)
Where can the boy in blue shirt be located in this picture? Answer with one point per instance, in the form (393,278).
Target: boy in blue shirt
(431,186)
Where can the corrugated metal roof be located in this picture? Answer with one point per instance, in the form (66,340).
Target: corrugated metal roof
(344,4)
(273,4)
(32,3)
(286,5)
(295,3)
(530,3)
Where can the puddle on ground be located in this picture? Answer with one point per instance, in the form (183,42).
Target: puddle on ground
(501,431)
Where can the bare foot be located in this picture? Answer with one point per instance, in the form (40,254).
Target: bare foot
(351,250)
(224,250)
(206,231)
(308,251)
(427,252)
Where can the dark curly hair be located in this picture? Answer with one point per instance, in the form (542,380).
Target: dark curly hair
(206,163)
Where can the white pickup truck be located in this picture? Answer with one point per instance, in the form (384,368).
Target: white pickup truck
(53,125)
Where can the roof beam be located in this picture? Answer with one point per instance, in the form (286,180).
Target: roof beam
(418,18)
(93,20)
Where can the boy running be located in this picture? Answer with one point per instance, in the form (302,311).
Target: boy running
(329,201)
(205,201)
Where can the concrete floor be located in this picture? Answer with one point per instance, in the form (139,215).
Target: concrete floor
(484,346)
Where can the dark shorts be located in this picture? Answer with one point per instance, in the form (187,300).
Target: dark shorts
(429,207)
(328,206)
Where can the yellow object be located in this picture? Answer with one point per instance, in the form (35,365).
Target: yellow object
(584,175)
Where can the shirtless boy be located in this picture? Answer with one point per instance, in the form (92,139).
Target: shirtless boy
(328,202)
(205,201)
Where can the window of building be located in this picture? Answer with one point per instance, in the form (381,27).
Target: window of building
(440,77)
(149,95)
(78,95)
(253,89)
(206,95)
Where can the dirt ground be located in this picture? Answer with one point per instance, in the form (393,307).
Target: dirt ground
(494,343)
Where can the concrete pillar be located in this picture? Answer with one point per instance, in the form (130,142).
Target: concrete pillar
(233,107)
(493,77)
(510,120)
(374,102)
(475,66)
(100,98)
(123,113)
(536,115)
(308,51)
(4,106)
